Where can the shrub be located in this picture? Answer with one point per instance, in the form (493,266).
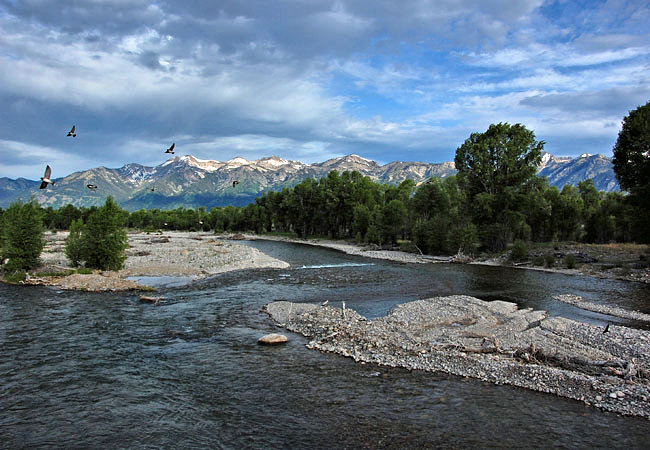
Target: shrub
(73,244)
(22,236)
(570,261)
(549,260)
(16,277)
(519,251)
(103,239)
(538,260)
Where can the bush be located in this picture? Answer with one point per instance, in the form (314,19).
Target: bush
(519,251)
(73,244)
(22,236)
(16,277)
(549,260)
(103,239)
(538,260)
(570,261)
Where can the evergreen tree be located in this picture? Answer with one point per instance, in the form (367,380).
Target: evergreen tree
(103,239)
(22,236)
(73,244)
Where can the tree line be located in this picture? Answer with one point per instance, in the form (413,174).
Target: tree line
(495,199)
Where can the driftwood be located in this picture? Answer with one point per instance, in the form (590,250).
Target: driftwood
(147,299)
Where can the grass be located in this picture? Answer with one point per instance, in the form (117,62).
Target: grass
(65,273)
(16,277)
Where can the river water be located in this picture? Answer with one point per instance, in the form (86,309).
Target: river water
(90,370)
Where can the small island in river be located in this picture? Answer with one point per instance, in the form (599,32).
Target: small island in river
(491,341)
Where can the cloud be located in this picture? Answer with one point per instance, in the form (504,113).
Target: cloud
(614,102)
(310,80)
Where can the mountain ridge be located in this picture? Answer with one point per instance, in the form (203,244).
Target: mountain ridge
(192,182)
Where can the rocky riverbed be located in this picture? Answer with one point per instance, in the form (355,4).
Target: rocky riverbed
(491,341)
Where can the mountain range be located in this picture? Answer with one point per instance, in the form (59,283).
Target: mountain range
(185,181)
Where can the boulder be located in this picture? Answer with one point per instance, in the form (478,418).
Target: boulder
(272,339)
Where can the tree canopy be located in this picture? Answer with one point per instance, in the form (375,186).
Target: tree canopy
(632,150)
(495,168)
(632,167)
(103,238)
(22,236)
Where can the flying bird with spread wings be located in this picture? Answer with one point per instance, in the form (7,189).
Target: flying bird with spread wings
(235,183)
(92,187)
(72,132)
(171,149)
(45,179)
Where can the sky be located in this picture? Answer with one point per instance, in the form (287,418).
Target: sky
(310,80)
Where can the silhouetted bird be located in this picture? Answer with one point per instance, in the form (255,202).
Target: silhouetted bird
(153,189)
(72,132)
(606,329)
(235,183)
(92,187)
(45,179)
(171,149)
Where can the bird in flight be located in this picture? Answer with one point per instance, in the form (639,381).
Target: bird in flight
(235,183)
(153,189)
(72,132)
(45,179)
(171,149)
(92,187)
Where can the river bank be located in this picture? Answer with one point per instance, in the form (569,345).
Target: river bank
(172,253)
(610,261)
(491,341)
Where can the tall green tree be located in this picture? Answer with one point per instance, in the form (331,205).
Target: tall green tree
(74,244)
(632,166)
(22,236)
(495,169)
(103,239)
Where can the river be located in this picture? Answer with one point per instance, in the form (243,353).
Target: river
(105,370)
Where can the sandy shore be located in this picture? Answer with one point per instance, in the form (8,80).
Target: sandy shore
(172,253)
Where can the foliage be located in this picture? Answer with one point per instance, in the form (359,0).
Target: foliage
(103,238)
(538,260)
(632,150)
(570,261)
(22,236)
(632,167)
(73,244)
(549,259)
(495,169)
(519,251)
(15,277)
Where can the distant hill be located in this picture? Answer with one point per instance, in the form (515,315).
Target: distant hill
(185,181)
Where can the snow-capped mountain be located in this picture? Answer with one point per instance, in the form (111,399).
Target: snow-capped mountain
(565,170)
(186,181)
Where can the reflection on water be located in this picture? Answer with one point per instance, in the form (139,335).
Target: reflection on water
(105,370)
